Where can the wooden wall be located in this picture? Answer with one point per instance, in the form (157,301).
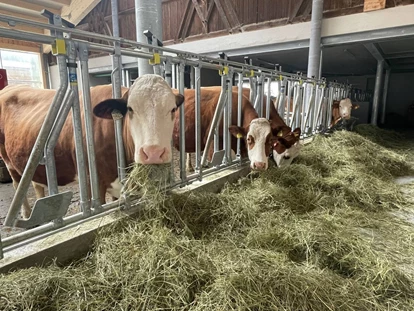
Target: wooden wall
(185,20)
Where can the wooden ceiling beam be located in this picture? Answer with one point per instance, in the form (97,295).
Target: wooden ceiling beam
(78,9)
(46,4)
(22,5)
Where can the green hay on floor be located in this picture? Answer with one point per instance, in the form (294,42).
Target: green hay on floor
(326,233)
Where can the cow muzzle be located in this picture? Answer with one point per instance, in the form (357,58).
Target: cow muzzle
(259,166)
(153,155)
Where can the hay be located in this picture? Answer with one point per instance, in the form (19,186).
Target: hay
(321,234)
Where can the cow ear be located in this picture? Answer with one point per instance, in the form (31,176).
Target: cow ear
(179,99)
(335,104)
(296,132)
(104,109)
(237,131)
(355,106)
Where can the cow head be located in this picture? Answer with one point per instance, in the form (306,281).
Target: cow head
(285,158)
(150,107)
(345,107)
(258,137)
(285,145)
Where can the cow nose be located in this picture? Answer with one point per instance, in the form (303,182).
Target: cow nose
(259,165)
(286,157)
(152,154)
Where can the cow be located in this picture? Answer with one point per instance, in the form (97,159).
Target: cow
(341,110)
(149,107)
(256,132)
(284,139)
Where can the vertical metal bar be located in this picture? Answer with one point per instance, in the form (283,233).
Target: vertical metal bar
(320,65)
(50,164)
(37,151)
(315,39)
(87,109)
(384,95)
(168,72)
(258,104)
(197,78)
(127,78)
(116,93)
(123,77)
(215,122)
(183,173)
(77,128)
(239,110)
(115,18)
(226,132)
(282,99)
(148,16)
(329,109)
(269,81)
(222,97)
(377,92)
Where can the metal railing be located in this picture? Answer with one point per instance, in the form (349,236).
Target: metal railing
(71,52)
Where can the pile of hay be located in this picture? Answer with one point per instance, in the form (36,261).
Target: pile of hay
(318,235)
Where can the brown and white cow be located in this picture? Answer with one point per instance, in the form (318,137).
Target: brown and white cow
(256,132)
(149,107)
(342,110)
(285,142)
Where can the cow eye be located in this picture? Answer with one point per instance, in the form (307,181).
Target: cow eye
(130,109)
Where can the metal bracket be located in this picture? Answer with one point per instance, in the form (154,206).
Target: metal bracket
(47,209)
(217,158)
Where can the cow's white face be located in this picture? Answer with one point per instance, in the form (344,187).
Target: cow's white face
(285,159)
(345,108)
(258,141)
(150,106)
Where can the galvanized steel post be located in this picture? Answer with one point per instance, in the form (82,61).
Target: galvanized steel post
(77,128)
(183,173)
(148,16)
(118,120)
(377,92)
(239,111)
(384,95)
(197,82)
(229,107)
(83,51)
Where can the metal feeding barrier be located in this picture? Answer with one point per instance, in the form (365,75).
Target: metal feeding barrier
(72,54)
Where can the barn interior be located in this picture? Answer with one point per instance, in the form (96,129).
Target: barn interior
(329,222)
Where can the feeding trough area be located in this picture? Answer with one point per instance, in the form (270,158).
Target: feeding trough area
(332,231)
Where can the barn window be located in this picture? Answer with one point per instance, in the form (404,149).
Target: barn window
(22,67)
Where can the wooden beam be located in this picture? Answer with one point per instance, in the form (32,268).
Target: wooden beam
(30,6)
(22,27)
(307,10)
(222,14)
(46,4)
(19,45)
(373,5)
(78,9)
(64,2)
(294,6)
(232,14)
(185,20)
(201,14)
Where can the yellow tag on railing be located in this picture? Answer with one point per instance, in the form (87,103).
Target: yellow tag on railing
(156,59)
(59,47)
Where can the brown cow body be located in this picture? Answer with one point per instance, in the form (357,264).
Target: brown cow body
(209,101)
(23,110)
